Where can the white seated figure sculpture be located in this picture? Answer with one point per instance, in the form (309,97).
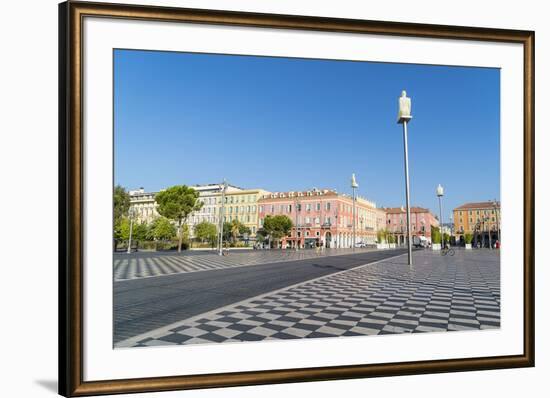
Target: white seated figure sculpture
(404,108)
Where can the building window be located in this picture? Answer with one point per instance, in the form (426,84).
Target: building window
(318,206)
(299,207)
(308,207)
(327,206)
(317,233)
(261,209)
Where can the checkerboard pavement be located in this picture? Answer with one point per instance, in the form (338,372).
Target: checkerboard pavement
(133,267)
(436,294)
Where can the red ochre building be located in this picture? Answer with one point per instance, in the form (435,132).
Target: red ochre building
(421,222)
(323,217)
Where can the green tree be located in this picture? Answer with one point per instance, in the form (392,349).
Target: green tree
(176,203)
(206,231)
(227,226)
(261,235)
(383,235)
(446,237)
(277,226)
(162,229)
(121,229)
(139,231)
(436,234)
(121,206)
(237,228)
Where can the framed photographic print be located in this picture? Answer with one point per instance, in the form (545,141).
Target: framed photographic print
(253,198)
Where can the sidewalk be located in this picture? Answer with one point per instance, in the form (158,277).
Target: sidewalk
(438,293)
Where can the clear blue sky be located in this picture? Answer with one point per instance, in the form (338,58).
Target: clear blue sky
(288,124)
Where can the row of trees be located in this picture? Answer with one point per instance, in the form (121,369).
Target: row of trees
(384,235)
(175,204)
(436,235)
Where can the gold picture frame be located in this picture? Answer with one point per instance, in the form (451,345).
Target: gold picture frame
(71,354)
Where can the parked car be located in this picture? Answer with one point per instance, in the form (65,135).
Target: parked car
(360,244)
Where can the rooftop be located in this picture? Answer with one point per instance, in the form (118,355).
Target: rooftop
(490,204)
(398,210)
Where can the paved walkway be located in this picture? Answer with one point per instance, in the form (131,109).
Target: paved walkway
(436,294)
(142,265)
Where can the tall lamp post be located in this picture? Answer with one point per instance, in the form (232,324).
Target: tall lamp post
(439,192)
(296,242)
(488,219)
(495,206)
(354,186)
(404,118)
(223,188)
(131,215)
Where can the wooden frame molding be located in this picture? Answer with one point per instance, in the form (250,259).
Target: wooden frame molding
(71,15)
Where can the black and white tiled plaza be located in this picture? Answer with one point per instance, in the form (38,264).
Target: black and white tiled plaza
(142,265)
(438,293)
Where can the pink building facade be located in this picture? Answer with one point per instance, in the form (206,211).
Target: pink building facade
(421,222)
(323,218)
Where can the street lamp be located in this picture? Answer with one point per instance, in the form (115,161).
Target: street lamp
(296,243)
(354,186)
(488,219)
(495,206)
(403,118)
(131,216)
(223,188)
(439,192)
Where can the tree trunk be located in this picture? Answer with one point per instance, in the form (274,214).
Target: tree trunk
(180,236)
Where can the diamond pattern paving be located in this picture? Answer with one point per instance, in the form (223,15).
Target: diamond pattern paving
(143,265)
(436,294)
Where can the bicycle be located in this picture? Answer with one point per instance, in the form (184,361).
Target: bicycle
(447,250)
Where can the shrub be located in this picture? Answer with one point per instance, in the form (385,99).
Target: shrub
(436,235)
(468,238)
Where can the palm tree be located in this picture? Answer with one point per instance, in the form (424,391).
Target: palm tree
(235,230)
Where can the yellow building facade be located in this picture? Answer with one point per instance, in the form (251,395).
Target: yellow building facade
(242,206)
(476,217)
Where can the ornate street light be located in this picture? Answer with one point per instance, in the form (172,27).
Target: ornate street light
(404,117)
(439,192)
(223,189)
(497,218)
(354,186)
